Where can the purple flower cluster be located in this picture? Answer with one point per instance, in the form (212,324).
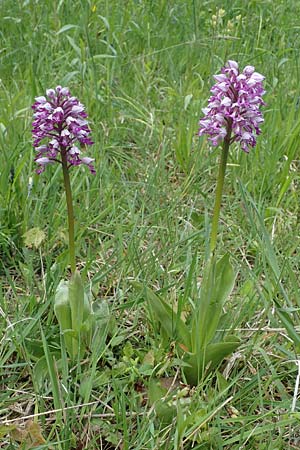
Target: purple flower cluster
(61,119)
(233,109)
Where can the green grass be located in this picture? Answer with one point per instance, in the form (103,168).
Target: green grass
(143,69)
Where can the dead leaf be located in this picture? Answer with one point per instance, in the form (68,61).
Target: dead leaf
(30,435)
(34,237)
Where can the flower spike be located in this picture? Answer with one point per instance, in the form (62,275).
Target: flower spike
(61,120)
(233,109)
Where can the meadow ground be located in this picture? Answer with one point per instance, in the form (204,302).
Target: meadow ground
(143,69)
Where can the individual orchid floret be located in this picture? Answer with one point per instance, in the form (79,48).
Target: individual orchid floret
(233,110)
(60,121)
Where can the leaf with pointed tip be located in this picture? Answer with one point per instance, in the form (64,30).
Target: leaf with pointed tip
(217,284)
(62,311)
(159,398)
(171,323)
(76,299)
(207,361)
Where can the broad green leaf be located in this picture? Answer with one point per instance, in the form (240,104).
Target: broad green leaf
(62,307)
(215,353)
(88,325)
(40,371)
(223,384)
(95,327)
(208,360)
(76,299)
(173,326)
(62,310)
(155,390)
(163,406)
(217,284)
(87,308)
(224,279)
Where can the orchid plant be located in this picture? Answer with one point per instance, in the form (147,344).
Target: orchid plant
(59,125)
(232,116)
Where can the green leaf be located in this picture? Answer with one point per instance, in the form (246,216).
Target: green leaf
(164,409)
(287,321)
(62,307)
(171,323)
(270,254)
(215,353)
(40,371)
(187,100)
(77,301)
(53,378)
(225,279)
(217,284)
(62,310)
(223,384)
(209,359)
(74,46)
(100,327)
(87,308)
(66,28)
(74,314)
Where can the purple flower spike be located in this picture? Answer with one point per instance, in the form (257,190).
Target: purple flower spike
(233,109)
(61,120)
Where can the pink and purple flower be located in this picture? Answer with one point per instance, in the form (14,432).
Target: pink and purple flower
(233,111)
(61,120)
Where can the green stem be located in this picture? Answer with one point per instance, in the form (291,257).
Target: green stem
(70,210)
(219,190)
